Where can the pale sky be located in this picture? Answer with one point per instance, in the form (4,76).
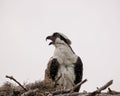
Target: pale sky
(92,25)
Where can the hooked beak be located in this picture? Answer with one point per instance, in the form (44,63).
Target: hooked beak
(50,38)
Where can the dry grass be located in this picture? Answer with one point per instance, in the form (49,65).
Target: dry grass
(41,88)
(8,89)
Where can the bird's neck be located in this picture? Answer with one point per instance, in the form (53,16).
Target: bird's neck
(64,53)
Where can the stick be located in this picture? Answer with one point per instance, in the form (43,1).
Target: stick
(112,92)
(101,88)
(11,78)
(104,87)
(61,92)
(56,81)
(68,90)
(77,85)
(30,92)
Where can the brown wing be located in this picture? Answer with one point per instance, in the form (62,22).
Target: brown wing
(78,72)
(52,69)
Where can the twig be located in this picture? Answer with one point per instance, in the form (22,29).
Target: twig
(72,94)
(100,89)
(112,92)
(61,92)
(56,81)
(104,87)
(11,78)
(77,85)
(30,92)
(68,90)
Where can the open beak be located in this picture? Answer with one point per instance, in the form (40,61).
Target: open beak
(50,38)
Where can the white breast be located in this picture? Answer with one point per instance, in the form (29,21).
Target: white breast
(64,55)
(66,59)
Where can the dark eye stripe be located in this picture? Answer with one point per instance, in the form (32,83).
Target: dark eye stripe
(60,36)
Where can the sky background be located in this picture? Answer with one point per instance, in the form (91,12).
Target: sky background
(92,25)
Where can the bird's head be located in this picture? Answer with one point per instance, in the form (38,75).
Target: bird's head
(58,38)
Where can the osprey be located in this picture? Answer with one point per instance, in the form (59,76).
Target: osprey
(64,64)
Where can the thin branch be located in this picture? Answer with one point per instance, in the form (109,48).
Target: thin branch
(113,92)
(61,92)
(56,81)
(101,88)
(104,87)
(77,85)
(11,78)
(68,90)
(30,92)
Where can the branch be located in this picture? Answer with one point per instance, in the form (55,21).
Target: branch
(77,85)
(30,92)
(11,78)
(113,92)
(68,90)
(101,88)
(56,81)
